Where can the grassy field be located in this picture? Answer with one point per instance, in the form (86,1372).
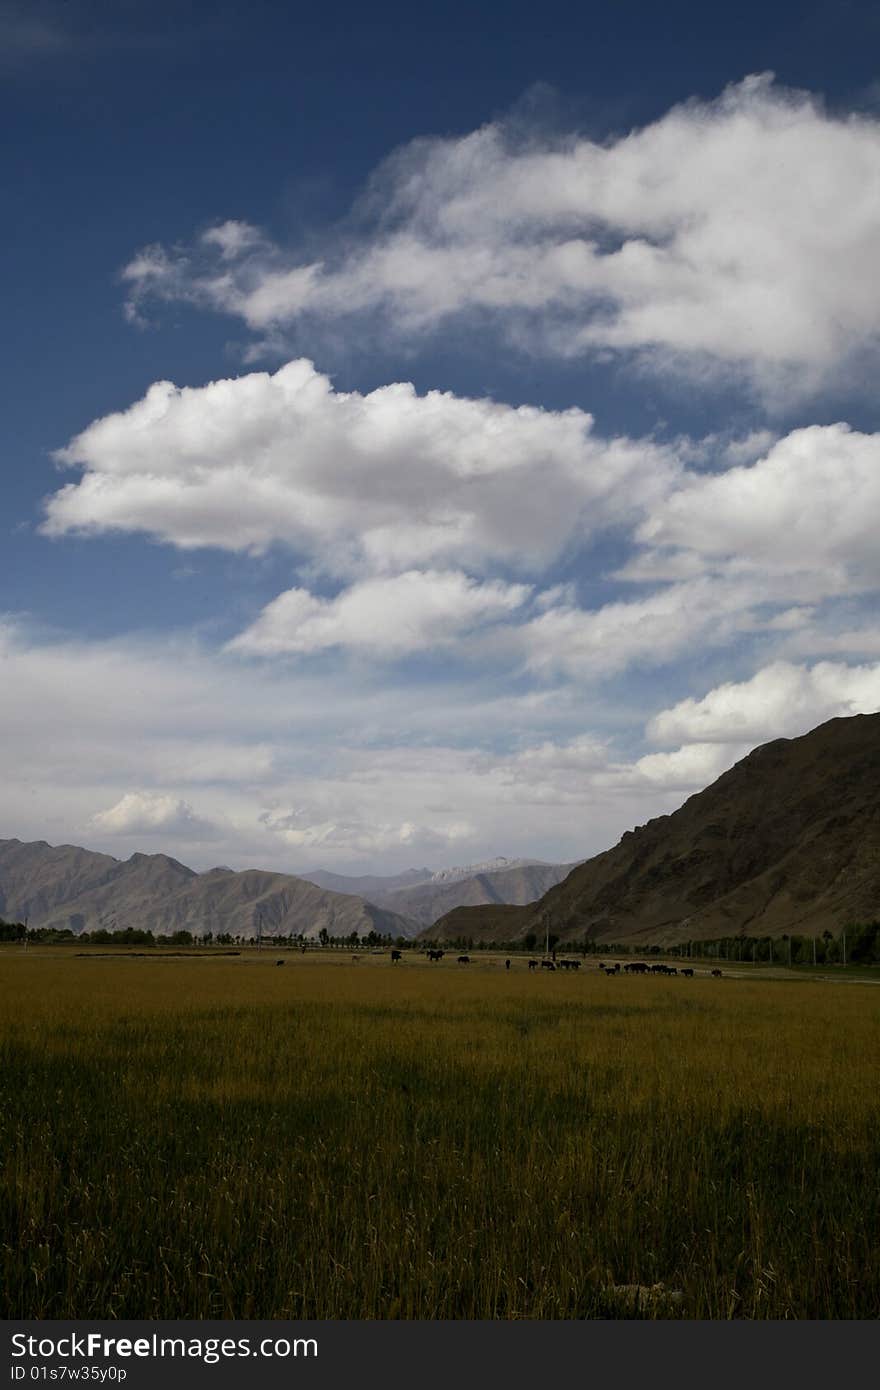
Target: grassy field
(215,1137)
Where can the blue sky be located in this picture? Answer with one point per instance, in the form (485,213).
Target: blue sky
(429,434)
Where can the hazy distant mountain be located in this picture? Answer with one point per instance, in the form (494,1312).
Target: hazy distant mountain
(787,840)
(424,895)
(371,886)
(523,883)
(64,886)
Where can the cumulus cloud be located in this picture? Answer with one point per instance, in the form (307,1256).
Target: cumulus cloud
(150,813)
(741,231)
(381,482)
(385,617)
(649,631)
(809,504)
(782,699)
(412,496)
(691,767)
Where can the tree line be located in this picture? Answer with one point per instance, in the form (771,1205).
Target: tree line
(858,943)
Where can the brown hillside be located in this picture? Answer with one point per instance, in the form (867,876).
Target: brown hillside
(68,887)
(787,840)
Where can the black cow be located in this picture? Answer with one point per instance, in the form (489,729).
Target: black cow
(464,960)
(547,965)
(533,965)
(396,955)
(717,974)
(686,970)
(435,955)
(507,965)
(279,962)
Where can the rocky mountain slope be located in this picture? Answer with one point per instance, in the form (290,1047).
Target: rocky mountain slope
(787,840)
(64,886)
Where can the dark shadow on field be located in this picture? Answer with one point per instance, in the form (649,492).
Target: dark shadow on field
(312,1162)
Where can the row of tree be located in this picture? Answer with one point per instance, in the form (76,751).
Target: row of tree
(856,944)
(131,936)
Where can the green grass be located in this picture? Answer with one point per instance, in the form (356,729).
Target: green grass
(217,1138)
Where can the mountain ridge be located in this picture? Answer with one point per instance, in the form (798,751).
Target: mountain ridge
(518,881)
(67,887)
(788,839)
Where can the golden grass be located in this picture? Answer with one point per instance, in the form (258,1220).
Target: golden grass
(196,1137)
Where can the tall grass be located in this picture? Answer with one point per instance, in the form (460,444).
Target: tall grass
(217,1138)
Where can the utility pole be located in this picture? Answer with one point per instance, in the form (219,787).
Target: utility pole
(814,950)
(844,948)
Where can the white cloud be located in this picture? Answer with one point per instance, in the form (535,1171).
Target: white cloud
(648,632)
(742,231)
(352,836)
(405,493)
(691,767)
(385,617)
(232,238)
(149,813)
(215,761)
(783,699)
(382,482)
(810,504)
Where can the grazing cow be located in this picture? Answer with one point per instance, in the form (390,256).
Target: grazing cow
(636,967)
(355,957)
(686,970)
(395,956)
(533,965)
(717,974)
(279,962)
(435,955)
(547,965)
(464,960)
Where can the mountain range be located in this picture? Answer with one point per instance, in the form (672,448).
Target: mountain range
(66,887)
(787,840)
(424,896)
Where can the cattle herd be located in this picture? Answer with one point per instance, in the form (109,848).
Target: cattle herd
(634,967)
